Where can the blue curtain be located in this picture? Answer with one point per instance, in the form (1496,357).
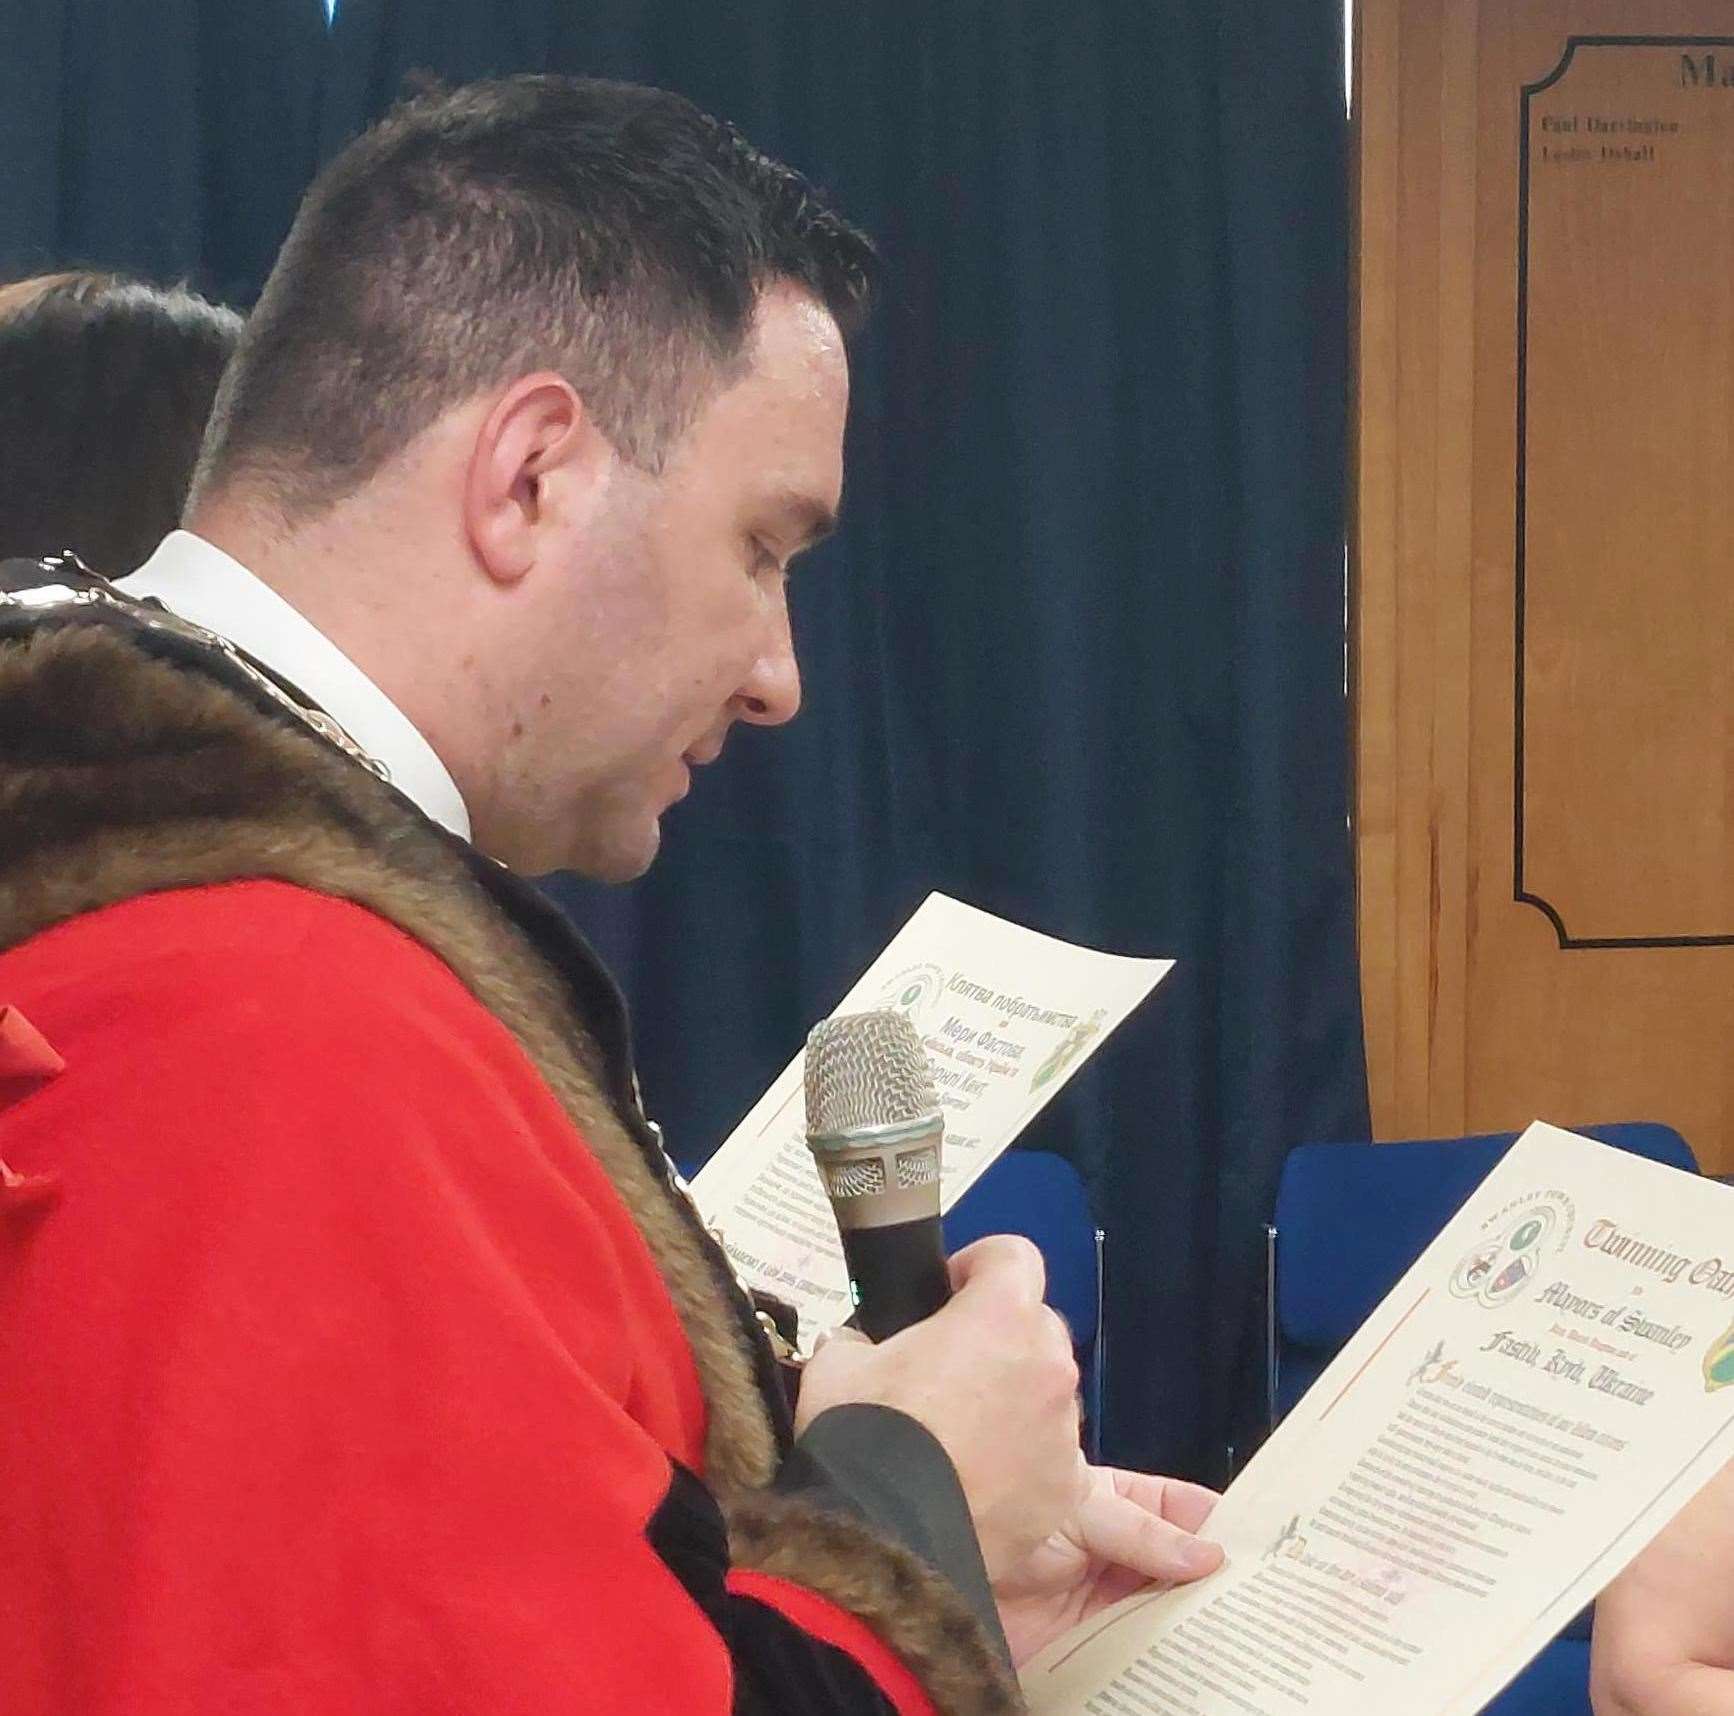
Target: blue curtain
(167,137)
(1077,655)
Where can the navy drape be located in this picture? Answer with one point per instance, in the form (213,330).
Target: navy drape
(172,138)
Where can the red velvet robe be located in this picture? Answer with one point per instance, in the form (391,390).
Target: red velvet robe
(337,1376)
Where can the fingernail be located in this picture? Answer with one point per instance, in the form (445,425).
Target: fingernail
(1197,1556)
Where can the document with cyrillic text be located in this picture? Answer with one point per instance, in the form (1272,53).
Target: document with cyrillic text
(1007,1016)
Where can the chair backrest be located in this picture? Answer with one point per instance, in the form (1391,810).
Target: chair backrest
(1350,1218)
(1042,1197)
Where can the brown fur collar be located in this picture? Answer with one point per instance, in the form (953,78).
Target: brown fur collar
(121,774)
(908,1605)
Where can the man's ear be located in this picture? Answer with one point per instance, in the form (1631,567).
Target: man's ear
(536,437)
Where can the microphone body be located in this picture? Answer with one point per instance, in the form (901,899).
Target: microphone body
(875,1127)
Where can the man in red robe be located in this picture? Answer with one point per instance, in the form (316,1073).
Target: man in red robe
(362,1352)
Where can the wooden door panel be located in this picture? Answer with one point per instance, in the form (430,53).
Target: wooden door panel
(1544,564)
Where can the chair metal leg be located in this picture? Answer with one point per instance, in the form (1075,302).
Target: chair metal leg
(1098,1356)
(1272,1375)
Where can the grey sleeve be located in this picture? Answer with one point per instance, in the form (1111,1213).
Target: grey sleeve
(883,1468)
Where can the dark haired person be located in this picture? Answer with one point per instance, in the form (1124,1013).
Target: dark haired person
(105,387)
(361,1351)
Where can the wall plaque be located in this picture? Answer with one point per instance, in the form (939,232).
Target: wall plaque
(1625,492)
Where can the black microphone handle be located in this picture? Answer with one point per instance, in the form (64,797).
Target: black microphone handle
(898,1273)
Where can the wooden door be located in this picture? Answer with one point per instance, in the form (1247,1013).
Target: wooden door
(1543,563)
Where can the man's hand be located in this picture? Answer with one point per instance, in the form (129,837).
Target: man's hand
(1664,1631)
(1128,1530)
(992,1376)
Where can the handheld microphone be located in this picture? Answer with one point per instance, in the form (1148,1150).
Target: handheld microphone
(874,1125)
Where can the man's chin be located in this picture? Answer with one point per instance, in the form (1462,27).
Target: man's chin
(600,847)
(613,860)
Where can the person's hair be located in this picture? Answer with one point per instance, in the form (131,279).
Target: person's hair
(105,386)
(612,233)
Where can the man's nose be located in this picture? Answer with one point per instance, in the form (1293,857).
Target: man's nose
(771,692)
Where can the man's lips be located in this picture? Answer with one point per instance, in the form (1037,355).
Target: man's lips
(706,751)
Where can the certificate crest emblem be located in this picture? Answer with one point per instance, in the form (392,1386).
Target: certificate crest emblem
(1069,1048)
(914,990)
(1499,1269)
(1719,1361)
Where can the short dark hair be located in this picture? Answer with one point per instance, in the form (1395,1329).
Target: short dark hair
(105,386)
(610,232)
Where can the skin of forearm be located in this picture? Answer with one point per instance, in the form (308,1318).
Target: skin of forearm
(1679,1689)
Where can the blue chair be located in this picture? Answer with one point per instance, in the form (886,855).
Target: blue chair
(1555,1684)
(1040,1195)
(1350,1218)
(1333,1264)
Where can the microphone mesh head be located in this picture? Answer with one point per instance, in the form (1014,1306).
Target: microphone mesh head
(866,1069)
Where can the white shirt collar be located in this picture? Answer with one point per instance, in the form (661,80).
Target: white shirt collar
(193,578)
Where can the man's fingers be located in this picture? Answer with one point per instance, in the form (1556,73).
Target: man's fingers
(1117,1529)
(1005,1262)
(1185,1505)
(843,1336)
